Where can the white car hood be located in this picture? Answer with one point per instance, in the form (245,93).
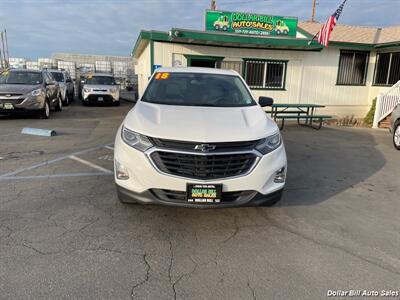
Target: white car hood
(200,124)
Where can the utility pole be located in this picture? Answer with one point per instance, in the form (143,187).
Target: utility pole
(4,59)
(213,4)
(314,4)
(6,41)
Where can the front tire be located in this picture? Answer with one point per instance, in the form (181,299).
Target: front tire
(45,112)
(396,135)
(66,100)
(273,200)
(59,105)
(125,200)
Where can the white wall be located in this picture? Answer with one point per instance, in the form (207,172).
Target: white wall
(311,76)
(142,69)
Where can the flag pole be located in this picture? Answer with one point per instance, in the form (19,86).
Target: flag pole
(314,37)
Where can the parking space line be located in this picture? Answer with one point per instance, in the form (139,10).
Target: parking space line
(88,163)
(55,176)
(109,147)
(45,163)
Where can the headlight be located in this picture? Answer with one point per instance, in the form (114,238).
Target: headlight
(269,144)
(36,92)
(86,90)
(136,140)
(113,90)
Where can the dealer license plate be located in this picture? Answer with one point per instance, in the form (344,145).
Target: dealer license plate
(204,193)
(8,106)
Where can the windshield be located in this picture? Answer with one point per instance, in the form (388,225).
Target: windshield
(103,80)
(20,77)
(59,77)
(193,89)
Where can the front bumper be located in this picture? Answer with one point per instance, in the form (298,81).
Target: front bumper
(144,179)
(100,97)
(22,104)
(152,197)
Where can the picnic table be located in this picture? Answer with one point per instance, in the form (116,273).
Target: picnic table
(305,112)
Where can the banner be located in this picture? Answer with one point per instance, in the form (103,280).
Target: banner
(252,24)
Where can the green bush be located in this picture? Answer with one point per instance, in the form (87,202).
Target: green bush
(369,118)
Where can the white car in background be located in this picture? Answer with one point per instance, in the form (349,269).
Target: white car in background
(100,89)
(198,138)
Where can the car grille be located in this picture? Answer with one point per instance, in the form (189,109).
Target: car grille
(178,196)
(190,146)
(96,97)
(203,167)
(10,94)
(13,101)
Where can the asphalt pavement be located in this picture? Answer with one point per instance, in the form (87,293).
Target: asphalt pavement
(64,235)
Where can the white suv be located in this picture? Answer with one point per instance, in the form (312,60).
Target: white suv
(198,138)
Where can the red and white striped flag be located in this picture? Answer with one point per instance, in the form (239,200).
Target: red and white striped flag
(324,33)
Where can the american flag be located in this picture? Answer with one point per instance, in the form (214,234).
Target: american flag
(324,33)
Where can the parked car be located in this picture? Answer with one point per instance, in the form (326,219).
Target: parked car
(133,87)
(66,85)
(100,88)
(396,127)
(198,138)
(29,91)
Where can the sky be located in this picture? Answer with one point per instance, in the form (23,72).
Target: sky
(38,28)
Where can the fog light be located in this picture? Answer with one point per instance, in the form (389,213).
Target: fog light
(121,171)
(280,176)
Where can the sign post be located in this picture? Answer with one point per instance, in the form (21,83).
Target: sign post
(250,24)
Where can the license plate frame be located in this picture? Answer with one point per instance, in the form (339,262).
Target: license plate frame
(203,193)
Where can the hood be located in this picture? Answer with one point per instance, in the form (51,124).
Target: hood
(18,88)
(200,124)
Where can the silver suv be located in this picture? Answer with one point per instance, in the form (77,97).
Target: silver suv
(66,85)
(100,89)
(29,91)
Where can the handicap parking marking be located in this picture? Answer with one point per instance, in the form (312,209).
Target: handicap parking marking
(88,163)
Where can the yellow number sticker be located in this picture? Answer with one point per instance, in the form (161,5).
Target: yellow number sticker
(162,76)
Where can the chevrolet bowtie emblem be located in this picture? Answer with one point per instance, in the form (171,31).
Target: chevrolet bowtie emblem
(205,147)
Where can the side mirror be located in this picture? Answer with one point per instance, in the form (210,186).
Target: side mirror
(265,101)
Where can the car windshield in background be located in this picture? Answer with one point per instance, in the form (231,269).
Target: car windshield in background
(59,77)
(23,77)
(194,89)
(102,80)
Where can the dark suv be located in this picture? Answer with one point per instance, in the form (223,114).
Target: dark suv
(29,91)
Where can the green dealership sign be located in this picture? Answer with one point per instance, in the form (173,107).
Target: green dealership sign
(252,24)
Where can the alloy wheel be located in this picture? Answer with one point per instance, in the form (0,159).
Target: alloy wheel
(396,136)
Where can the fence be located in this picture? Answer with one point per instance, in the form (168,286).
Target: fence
(385,103)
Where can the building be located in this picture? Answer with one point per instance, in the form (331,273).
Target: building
(119,66)
(359,63)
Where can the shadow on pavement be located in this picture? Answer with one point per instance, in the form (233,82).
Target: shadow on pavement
(326,162)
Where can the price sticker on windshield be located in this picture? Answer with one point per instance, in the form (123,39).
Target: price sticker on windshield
(162,76)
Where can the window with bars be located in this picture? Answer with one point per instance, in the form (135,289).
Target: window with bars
(269,74)
(352,67)
(387,68)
